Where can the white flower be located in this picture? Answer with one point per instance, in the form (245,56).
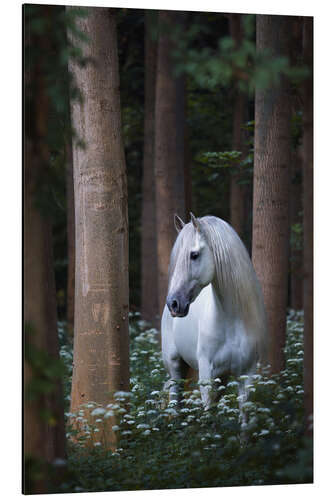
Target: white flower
(170,411)
(113,406)
(142,426)
(146,433)
(115,428)
(122,394)
(59,462)
(263,432)
(98,444)
(263,410)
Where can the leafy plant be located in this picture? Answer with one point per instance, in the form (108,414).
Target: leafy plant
(162,446)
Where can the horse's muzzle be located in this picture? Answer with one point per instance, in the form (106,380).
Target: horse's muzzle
(178,308)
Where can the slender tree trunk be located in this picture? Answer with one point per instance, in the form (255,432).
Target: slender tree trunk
(307,150)
(237,191)
(271,189)
(101,340)
(43,430)
(296,253)
(149,287)
(70,237)
(169,148)
(187,170)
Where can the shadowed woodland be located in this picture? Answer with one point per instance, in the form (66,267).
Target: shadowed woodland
(130,117)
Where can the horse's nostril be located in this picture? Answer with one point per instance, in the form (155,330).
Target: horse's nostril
(174,305)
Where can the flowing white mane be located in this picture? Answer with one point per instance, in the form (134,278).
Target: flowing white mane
(235,279)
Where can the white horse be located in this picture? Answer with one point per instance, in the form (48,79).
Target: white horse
(214,319)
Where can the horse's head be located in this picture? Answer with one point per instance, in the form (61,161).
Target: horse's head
(191,266)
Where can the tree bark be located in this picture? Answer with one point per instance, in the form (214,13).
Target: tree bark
(296,253)
(307,150)
(169,148)
(70,237)
(101,339)
(149,287)
(270,242)
(43,429)
(187,169)
(237,191)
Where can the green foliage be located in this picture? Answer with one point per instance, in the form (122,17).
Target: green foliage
(223,63)
(163,446)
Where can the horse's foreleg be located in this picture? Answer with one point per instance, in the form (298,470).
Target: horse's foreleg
(243,394)
(177,369)
(206,375)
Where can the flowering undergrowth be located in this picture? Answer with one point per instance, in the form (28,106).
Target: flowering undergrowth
(162,446)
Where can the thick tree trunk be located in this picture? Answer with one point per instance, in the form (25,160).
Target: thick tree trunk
(296,253)
(307,150)
(149,287)
(169,148)
(101,340)
(270,242)
(70,237)
(237,191)
(44,429)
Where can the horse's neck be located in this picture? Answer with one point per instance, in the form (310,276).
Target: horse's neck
(223,300)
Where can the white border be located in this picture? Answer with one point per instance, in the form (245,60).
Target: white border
(11,242)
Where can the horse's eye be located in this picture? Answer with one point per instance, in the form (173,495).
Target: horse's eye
(194,255)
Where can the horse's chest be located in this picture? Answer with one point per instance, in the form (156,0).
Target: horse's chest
(225,345)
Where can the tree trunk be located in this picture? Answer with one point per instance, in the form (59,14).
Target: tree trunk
(272,160)
(237,191)
(149,287)
(187,169)
(169,148)
(296,253)
(101,339)
(307,150)
(70,237)
(43,429)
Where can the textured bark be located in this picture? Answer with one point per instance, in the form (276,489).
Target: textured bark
(149,287)
(307,150)
(169,148)
(70,238)
(44,440)
(296,254)
(271,189)
(187,170)
(101,340)
(238,191)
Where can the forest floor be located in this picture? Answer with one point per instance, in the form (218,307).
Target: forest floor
(160,446)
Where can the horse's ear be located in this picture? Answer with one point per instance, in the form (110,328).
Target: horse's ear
(179,224)
(195,222)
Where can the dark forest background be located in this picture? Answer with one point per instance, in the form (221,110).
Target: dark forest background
(216,114)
